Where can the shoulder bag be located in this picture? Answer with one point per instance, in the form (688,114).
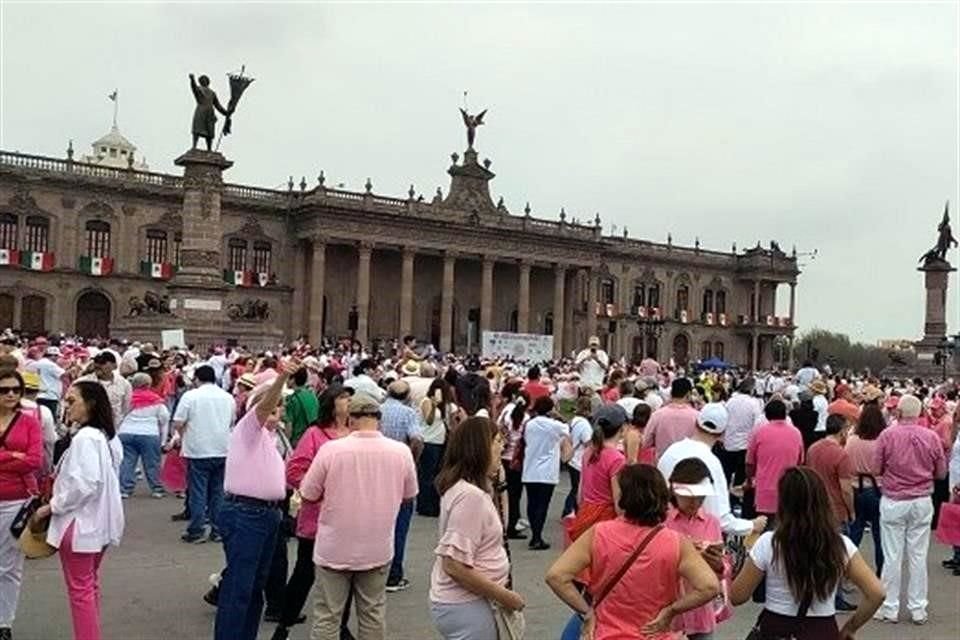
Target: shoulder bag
(615,579)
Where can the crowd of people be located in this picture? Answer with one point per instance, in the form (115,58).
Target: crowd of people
(691,492)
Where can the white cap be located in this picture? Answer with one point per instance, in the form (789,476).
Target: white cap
(713,418)
(702,488)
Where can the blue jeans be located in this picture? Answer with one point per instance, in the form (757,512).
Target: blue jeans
(866,502)
(400,541)
(249,539)
(572,630)
(428,500)
(204,493)
(570,504)
(146,448)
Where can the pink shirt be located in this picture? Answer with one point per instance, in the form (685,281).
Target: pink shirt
(362,480)
(908,457)
(701,528)
(596,475)
(254,467)
(308,445)
(773,448)
(470,532)
(862,456)
(671,423)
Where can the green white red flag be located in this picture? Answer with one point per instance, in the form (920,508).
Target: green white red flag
(36,260)
(96,266)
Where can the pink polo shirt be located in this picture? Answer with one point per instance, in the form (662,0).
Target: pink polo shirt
(362,480)
(668,424)
(254,467)
(908,457)
(701,528)
(298,464)
(773,448)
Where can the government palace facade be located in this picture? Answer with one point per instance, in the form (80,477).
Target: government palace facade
(84,241)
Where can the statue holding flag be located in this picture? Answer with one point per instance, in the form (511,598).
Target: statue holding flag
(205,116)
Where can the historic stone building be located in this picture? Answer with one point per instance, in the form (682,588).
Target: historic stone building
(85,239)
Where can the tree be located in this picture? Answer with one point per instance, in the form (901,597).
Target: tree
(836,349)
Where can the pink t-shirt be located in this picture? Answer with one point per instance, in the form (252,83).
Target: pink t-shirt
(773,448)
(470,532)
(596,475)
(701,528)
(908,457)
(254,467)
(301,458)
(862,456)
(668,424)
(362,480)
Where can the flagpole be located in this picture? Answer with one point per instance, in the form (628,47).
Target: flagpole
(116,103)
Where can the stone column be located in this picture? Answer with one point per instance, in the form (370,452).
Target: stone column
(755,311)
(446,302)
(363,291)
(591,303)
(18,312)
(559,281)
(318,275)
(300,299)
(406,292)
(936,280)
(523,299)
(486,295)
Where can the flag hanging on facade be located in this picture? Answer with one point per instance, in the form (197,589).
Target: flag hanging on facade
(158,270)
(9,257)
(238,278)
(263,279)
(96,266)
(36,260)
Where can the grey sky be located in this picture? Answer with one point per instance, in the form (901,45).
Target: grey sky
(829,126)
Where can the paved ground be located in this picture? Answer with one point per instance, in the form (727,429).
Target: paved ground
(153,583)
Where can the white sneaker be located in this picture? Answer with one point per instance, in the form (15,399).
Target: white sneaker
(919,619)
(522,524)
(883,617)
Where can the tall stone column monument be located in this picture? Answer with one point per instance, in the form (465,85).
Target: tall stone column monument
(936,269)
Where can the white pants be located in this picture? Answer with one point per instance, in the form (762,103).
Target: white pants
(11,563)
(905,528)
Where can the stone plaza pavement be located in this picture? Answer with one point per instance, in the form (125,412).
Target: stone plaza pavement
(152,587)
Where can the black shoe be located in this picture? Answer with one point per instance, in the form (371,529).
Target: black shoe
(6,633)
(280,633)
(300,620)
(393,586)
(183,516)
(950,563)
(211,597)
(193,538)
(215,537)
(516,535)
(272,616)
(345,634)
(539,545)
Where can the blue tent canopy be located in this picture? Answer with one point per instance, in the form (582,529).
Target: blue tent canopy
(714,363)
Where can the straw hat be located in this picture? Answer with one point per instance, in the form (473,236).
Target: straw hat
(818,387)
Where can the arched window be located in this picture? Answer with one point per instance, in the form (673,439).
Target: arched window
(705,350)
(639,297)
(38,234)
(156,245)
(653,295)
(238,254)
(8,231)
(721,302)
(718,350)
(708,301)
(177,244)
(98,239)
(683,298)
(261,257)
(606,291)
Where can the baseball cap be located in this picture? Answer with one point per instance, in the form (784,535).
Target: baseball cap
(611,414)
(594,341)
(713,418)
(363,404)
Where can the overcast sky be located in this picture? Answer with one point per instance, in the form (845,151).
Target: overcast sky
(830,126)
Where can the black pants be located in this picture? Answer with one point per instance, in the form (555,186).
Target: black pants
(274,590)
(428,500)
(298,588)
(941,494)
(538,504)
(734,466)
(570,504)
(514,492)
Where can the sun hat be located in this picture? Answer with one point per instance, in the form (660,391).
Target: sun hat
(33,544)
(699,490)
(713,418)
(247,380)
(818,387)
(411,368)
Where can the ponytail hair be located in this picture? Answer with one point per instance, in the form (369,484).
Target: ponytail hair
(519,411)
(602,431)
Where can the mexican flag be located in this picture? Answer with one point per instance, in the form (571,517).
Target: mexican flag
(9,257)
(36,261)
(238,278)
(263,279)
(96,266)
(159,270)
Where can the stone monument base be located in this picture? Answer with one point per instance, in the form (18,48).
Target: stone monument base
(256,336)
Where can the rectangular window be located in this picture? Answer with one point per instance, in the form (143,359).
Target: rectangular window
(718,350)
(8,231)
(113,153)
(38,234)
(177,243)
(606,292)
(238,254)
(721,302)
(261,257)
(156,245)
(98,239)
(653,295)
(705,348)
(683,298)
(707,301)
(639,297)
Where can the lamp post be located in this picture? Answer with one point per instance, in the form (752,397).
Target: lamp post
(945,351)
(651,328)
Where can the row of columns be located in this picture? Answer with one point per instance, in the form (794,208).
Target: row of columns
(318,275)
(755,319)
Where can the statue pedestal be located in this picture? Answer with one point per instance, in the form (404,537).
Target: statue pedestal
(936,282)
(469,186)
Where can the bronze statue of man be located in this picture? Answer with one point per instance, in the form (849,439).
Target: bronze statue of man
(945,240)
(205,116)
(471,123)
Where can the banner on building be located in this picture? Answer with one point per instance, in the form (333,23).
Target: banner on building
(170,338)
(532,347)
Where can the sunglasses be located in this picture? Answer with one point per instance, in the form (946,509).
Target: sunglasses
(10,391)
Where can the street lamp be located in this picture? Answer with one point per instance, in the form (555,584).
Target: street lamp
(651,328)
(945,350)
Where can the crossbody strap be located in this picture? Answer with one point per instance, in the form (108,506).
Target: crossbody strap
(615,579)
(6,432)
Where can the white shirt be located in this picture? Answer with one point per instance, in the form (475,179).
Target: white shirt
(779,598)
(118,392)
(49,430)
(591,371)
(146,421)
(718,504)
(743,412)
(654,399)
(805,376)
(820,405)
(364,383)
(955,464)
(209,412)
(51,384)
(541,457)
(87,491)
(629,403)
(580,433)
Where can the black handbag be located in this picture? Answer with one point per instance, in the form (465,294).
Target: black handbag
(22,519)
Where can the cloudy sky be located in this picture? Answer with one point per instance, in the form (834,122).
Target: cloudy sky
(826,125)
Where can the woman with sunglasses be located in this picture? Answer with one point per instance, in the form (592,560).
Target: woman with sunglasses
(21,457)
(86,512)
